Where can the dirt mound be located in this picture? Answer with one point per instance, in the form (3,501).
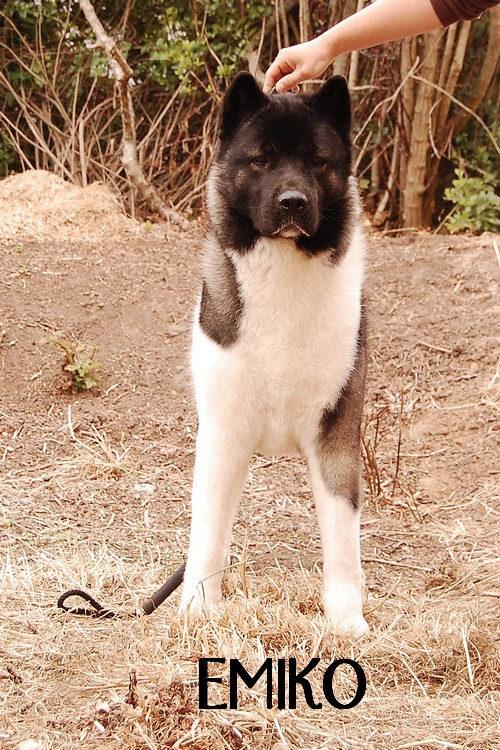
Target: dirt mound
(40,204)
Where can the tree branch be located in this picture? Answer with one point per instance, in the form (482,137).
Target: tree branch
(123,75)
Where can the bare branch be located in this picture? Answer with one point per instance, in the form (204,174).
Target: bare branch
(469,111)
(123,75)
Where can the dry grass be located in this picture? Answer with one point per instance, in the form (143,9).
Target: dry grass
(432,679)
(431,659)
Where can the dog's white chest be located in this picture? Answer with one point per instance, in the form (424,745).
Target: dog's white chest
(296,345)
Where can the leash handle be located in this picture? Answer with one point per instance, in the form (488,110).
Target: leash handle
(164,591)
(99,611)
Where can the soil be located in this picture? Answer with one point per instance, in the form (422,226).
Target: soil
(112,466)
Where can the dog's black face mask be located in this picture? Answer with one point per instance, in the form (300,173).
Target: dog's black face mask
(282,166)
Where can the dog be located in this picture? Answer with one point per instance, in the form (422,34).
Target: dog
(278,351)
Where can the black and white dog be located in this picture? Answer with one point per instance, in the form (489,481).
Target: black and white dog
(278,351)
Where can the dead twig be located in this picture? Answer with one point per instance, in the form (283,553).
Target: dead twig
(124,78)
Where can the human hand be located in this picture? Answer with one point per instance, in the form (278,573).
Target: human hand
(295,64)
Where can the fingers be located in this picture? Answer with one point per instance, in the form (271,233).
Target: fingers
(276,72)
(299,63)
(287,83)
(281,82)
(291,67)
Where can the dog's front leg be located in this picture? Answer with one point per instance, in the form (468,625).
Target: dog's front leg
(335,474)
(339,522)
(220,471)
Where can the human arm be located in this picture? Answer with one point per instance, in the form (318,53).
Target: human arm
(381,22)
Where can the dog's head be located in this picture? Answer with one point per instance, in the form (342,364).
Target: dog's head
(283,163)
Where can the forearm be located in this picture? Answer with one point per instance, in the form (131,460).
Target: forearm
(381,22)
(378,23)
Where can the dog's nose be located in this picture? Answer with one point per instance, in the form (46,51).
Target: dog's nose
(292,200)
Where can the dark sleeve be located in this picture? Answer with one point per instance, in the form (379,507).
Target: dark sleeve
(450,11)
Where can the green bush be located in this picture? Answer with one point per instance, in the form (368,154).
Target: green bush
(476,207)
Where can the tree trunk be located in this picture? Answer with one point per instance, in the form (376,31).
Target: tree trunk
(485,77)
(413,194)
(442,128)
(353,68)
(406,106)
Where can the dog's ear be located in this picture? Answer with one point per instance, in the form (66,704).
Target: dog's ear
(333,101)
(242,100)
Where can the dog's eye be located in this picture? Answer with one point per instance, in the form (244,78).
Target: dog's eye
(259,160)
(318,161)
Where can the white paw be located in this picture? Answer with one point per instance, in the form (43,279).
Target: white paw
(343,606)
(355,626)
(197,596)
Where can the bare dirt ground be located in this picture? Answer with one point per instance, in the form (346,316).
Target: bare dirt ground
(94,493)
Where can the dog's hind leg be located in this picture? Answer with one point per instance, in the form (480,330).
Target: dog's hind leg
(220,471)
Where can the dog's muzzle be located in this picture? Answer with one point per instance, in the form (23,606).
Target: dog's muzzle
(292,202)
(294,214)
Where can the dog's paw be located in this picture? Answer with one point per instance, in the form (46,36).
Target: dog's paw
(355,626)
(343,607)
(199,596)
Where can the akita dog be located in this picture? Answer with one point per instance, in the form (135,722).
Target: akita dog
(278,352)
